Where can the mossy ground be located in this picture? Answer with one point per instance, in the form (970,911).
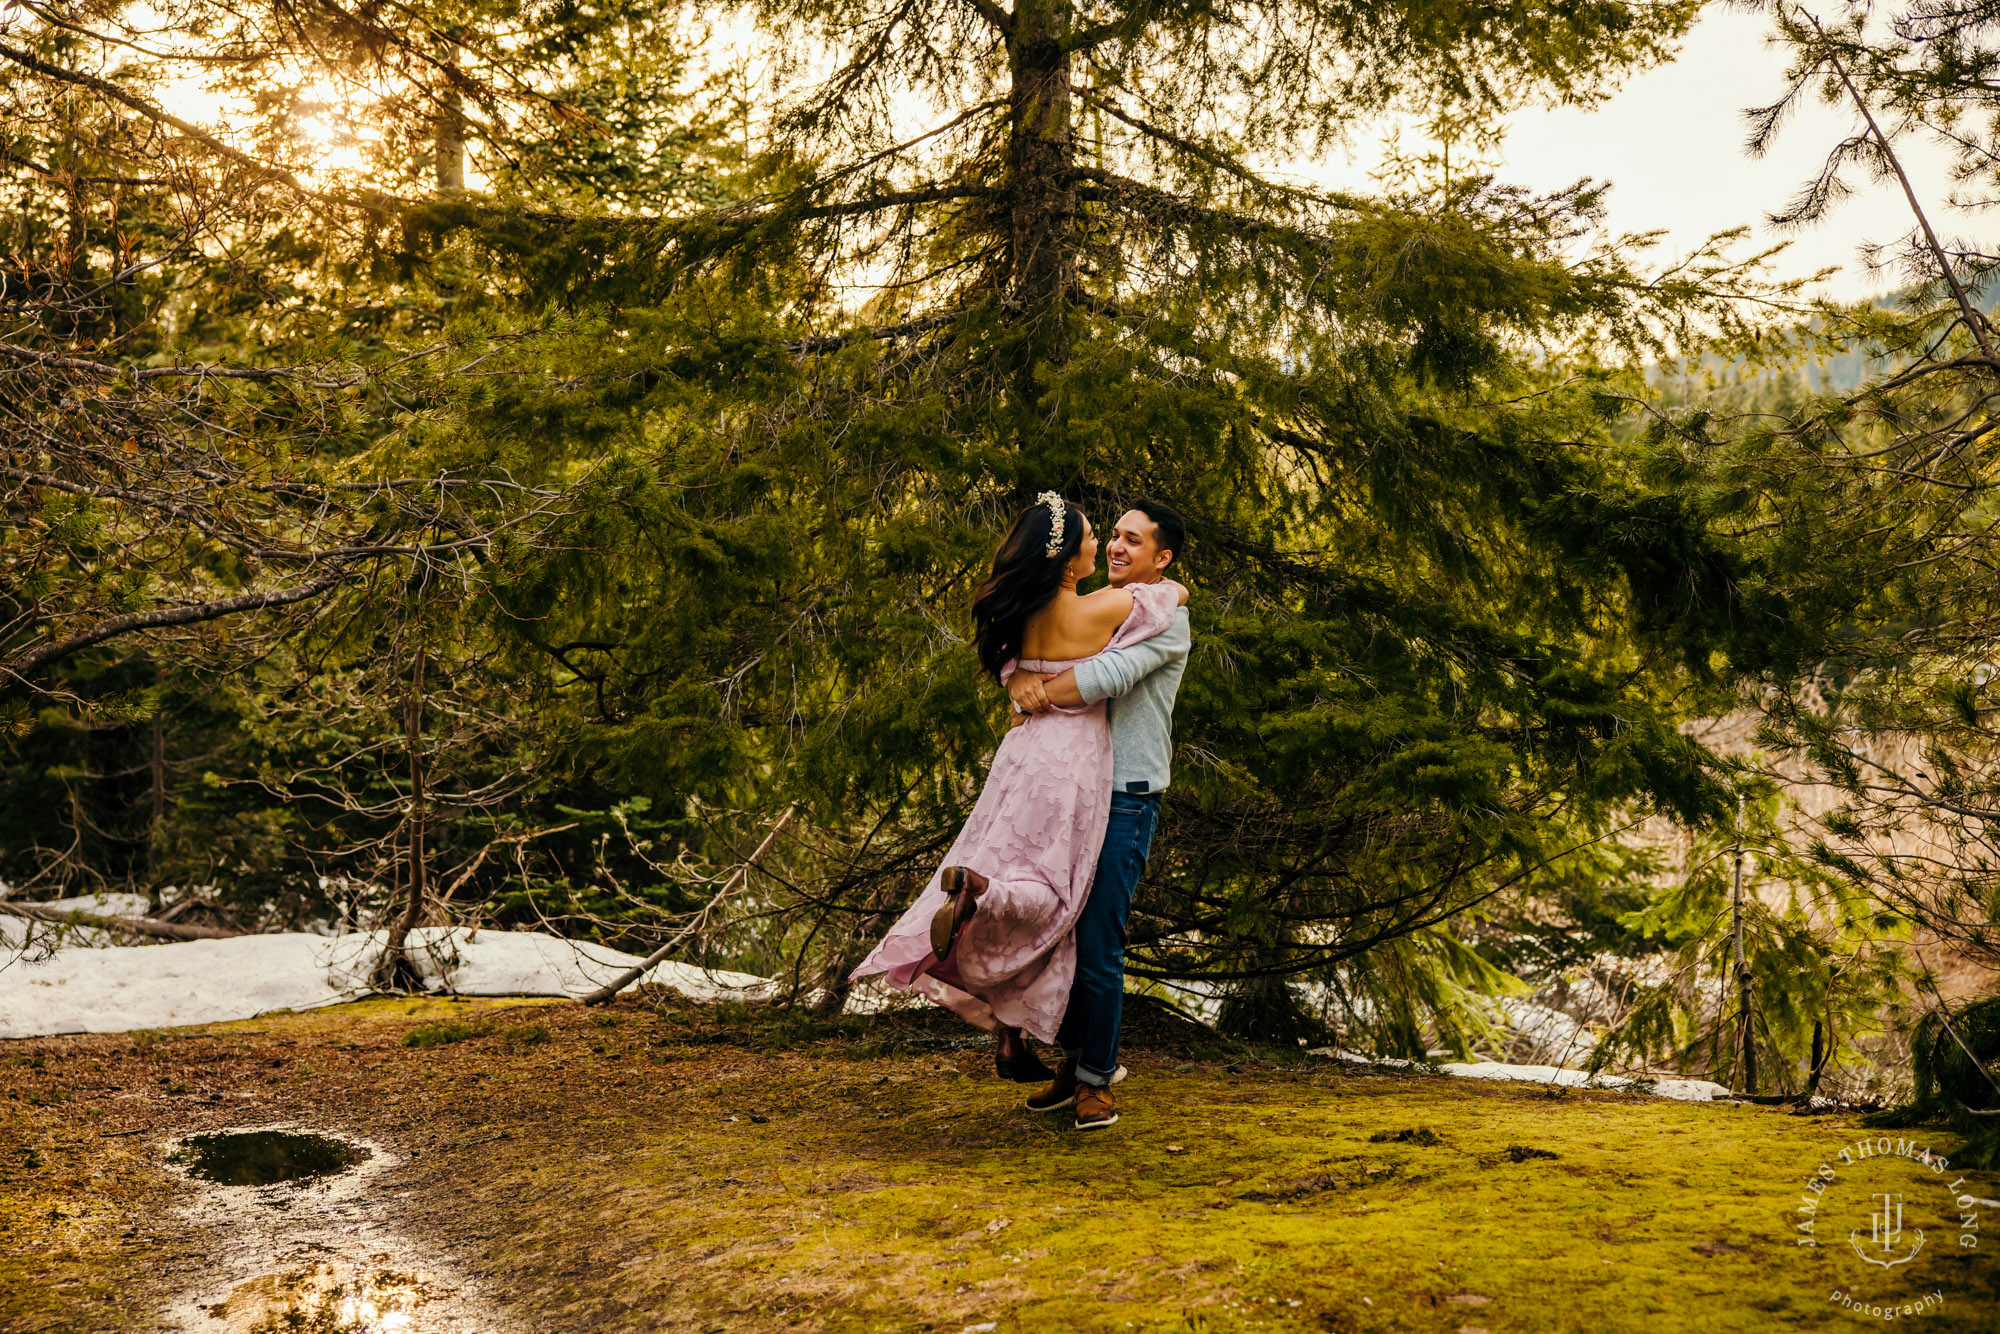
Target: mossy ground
(697,1169)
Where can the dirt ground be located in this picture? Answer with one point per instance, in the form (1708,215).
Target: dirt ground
(666,1166)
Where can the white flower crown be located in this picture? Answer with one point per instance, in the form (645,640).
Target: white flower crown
(1056,507)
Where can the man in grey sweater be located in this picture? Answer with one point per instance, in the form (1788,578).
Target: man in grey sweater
(1141,682)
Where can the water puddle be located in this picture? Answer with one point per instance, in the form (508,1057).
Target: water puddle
(306,1242)
(265,1157)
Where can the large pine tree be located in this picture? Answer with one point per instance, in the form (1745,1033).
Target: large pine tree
(1040,247)
(765,431)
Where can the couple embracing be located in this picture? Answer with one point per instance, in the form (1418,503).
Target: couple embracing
(1022,930)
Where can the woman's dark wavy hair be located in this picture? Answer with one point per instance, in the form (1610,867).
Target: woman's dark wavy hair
(1024,579)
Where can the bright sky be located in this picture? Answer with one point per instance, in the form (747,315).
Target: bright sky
(1671,144)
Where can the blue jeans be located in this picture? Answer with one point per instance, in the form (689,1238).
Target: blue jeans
(1089,1032)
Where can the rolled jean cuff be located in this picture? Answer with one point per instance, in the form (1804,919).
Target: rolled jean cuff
(1084,1074)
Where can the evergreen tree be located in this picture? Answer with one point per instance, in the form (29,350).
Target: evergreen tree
(727,514)
(1870,512)
(1438,626)
(1867,515)
(235,389)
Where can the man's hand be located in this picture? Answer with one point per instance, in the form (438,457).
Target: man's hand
(1030,691)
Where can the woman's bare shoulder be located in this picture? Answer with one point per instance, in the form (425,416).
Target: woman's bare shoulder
(1107,606)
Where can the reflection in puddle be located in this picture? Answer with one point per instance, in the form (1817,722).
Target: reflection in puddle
(264,1157)
(324,1299)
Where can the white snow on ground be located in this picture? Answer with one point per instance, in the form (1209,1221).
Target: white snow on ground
(115,904)
(529,963)
(84,990)
(1684,1090)
(15,930)
(1548,1032)
(116,990)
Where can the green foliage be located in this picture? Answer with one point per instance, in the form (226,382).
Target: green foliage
(1857,519)
(1955,1061)
(443,1032)
(650,527)
(260,766)
(1953,1052)
(1820,958)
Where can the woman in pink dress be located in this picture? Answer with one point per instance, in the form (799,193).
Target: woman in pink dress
(990,936)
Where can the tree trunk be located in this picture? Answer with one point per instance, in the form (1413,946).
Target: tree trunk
(159,795)
(1746,1044)
(1819,1052)
(1042,221)
(138,926)
(394,971)
(448,137)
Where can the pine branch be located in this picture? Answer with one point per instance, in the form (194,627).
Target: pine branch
(936,194)
(993,14)
(834,342)
(193,514)
(1110,188)
(113,627)
(1127,25)
(1213,157)
(978,108)
(51,174)
(1975,322)
(62,362)
(157,114)
(201,370)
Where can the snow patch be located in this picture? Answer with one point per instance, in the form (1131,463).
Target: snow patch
(16,932)
(1541,1031)
(116,990)
(114,904)
(1683,1090)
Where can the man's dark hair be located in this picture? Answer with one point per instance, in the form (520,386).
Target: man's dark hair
(1170,529)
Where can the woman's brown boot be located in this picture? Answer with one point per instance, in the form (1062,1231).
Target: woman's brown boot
(1014,1059)
(962,886)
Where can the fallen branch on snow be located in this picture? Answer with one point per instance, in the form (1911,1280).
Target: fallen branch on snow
(136,926)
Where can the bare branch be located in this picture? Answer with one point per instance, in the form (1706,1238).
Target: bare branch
(111,628)
(152,112)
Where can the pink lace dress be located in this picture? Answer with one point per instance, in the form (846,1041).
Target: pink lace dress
(1035,834)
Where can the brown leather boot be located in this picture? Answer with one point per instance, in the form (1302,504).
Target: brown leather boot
(1014,1059)
(1060,1094)
(962,886)
(1094,1108)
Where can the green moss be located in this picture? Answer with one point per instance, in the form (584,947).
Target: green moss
(828,1190)
(443,1032)
(734,1185)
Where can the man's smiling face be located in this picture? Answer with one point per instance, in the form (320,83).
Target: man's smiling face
(1134,550)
